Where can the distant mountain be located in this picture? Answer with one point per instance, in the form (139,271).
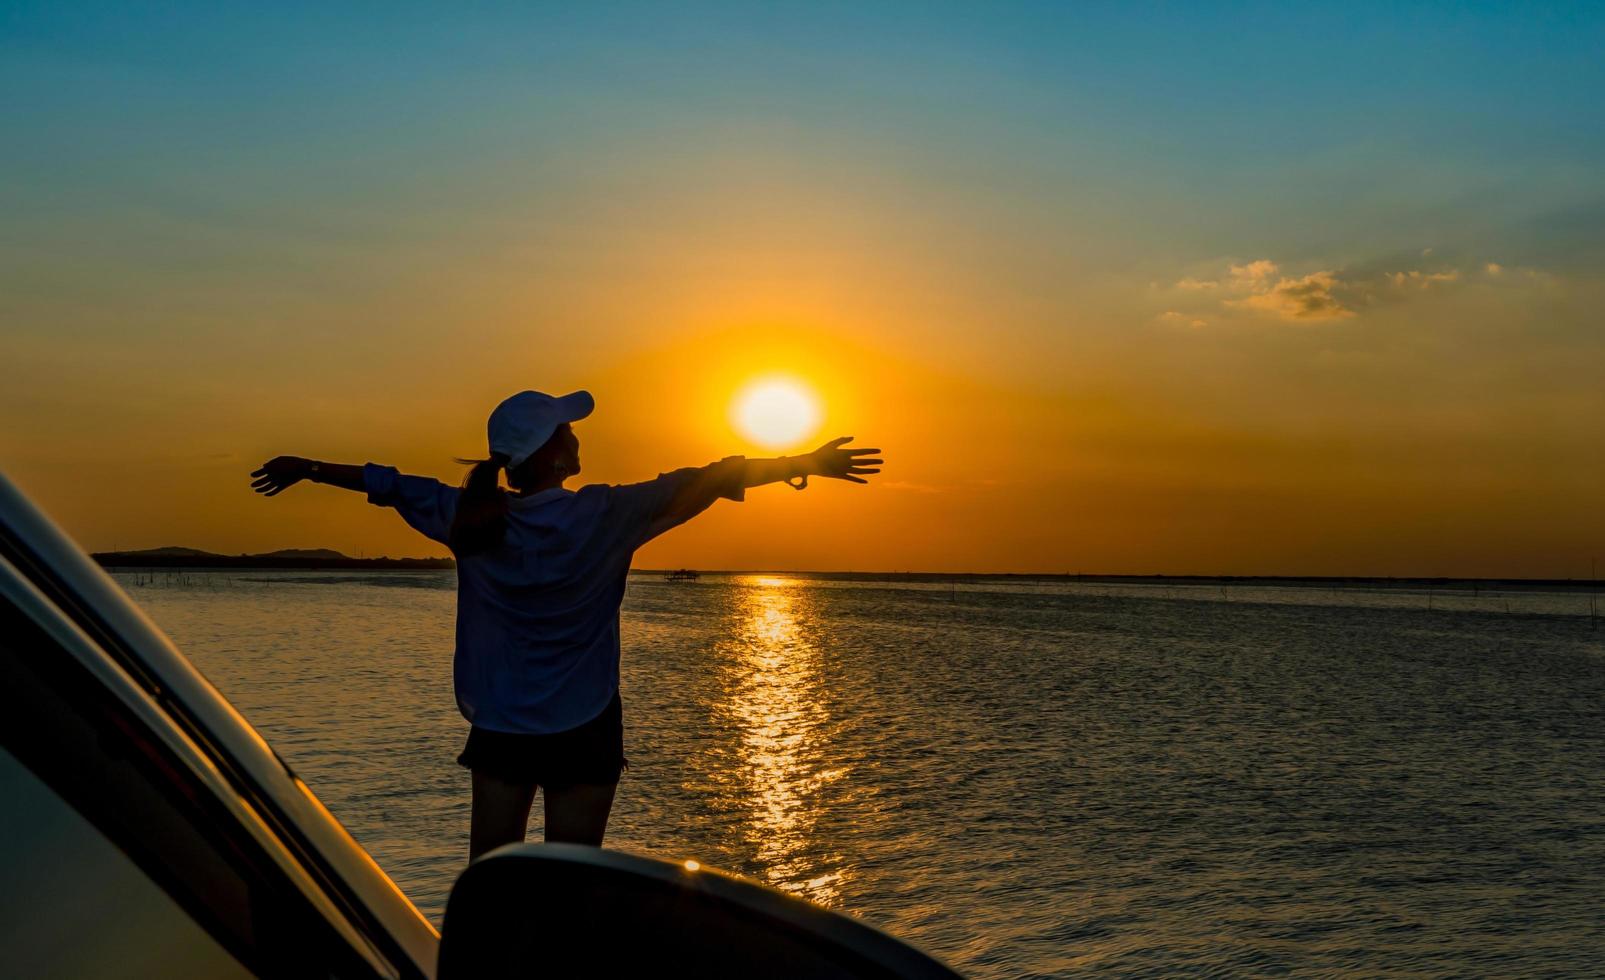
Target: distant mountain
(283,558)
(320,554)
(173,553)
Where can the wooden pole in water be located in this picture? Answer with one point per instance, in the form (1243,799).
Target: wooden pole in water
(1593,596)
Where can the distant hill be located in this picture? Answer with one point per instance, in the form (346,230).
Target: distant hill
(283,558)
(173,552)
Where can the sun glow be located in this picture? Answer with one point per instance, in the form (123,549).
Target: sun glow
(775,412)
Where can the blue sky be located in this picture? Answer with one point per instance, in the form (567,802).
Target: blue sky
(1190,116)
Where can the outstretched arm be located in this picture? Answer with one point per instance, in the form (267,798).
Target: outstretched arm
(828,460)
(283,472)
(717,479)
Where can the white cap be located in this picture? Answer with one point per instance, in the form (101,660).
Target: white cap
(522,424)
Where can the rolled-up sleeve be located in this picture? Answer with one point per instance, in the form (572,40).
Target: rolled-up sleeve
(424,503)
(642,511)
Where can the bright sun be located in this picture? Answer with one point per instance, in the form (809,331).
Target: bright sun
(775,412)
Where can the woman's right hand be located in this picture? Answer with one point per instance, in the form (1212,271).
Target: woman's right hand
(843,464)
(280,474)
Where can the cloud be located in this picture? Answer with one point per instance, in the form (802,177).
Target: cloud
(1308,297)
(1262,287)
(1423,280)
(1254,275)
(1248,277)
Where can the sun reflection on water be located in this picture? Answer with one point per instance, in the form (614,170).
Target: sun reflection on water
(777,702)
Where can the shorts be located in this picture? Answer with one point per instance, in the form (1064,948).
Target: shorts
(592,753)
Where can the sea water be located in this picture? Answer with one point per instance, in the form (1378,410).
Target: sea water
(1024,778)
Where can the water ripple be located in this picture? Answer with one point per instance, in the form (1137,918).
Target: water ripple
(1027,780)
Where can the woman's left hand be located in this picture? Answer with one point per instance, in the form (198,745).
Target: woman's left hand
(843,464)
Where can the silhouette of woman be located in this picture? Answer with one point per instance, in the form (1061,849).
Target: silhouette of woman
(540,577)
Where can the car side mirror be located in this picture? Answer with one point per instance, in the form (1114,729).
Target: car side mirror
(566,910)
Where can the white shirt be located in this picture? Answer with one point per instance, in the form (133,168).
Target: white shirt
(538,616)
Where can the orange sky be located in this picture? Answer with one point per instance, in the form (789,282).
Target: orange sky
(1190,455)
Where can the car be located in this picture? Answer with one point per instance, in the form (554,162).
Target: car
(150,830)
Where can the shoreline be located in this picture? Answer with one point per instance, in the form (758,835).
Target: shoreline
(123,562)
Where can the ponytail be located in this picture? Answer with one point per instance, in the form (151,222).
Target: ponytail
(481,519)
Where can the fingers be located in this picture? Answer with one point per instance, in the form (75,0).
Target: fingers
(271,486)
(840,440)
(853,464)
(259,472)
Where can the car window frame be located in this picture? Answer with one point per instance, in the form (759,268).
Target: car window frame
(47,560)
(165,744)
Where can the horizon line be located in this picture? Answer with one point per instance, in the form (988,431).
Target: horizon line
(289,564)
